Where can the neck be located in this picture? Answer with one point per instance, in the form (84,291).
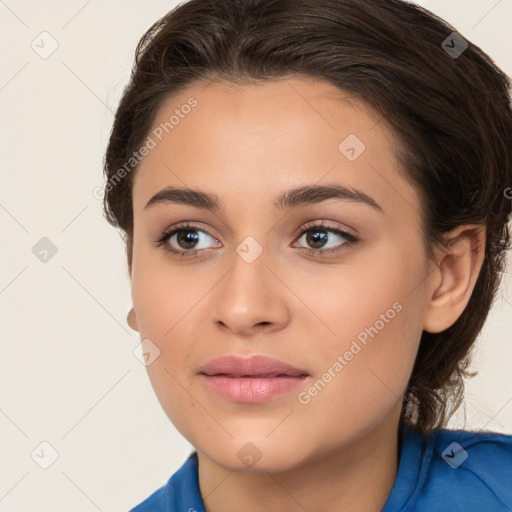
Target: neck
(357,476)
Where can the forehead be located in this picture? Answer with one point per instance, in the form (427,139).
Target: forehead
(257,140)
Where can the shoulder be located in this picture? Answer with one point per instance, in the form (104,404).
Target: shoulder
(154,503)
(181,492)
(468,470)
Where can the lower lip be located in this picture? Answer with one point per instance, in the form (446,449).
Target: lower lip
(251,390)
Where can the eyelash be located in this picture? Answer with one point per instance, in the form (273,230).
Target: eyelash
(169,233)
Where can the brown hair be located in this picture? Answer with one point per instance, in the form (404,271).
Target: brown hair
(451,114)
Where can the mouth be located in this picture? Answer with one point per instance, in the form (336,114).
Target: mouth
(250,380)
(252,375)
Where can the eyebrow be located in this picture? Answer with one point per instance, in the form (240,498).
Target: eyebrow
(294,198)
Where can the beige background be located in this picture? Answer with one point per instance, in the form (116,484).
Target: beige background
(67,372)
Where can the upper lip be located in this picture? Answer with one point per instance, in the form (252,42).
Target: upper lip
(254,366)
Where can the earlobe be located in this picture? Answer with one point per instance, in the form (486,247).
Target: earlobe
(131,319)
(454,280)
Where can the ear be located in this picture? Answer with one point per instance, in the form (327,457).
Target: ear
(452,282)
(131,319)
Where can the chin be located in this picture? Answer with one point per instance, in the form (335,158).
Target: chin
(255,455)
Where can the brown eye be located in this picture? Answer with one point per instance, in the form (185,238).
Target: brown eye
(184,240)
(322,239)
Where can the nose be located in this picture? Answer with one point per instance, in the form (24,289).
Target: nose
(251,298)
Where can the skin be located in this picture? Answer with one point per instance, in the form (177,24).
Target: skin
(339,451)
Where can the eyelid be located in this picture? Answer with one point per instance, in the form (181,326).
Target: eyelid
(300,231)
(350,239)
(322,224)
(187,225)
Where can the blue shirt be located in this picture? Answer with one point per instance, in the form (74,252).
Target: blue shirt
(446,471)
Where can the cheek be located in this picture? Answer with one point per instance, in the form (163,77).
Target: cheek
(171,376)
(162,293)
(376,324)
(170,385)
(370,299)
(360,384)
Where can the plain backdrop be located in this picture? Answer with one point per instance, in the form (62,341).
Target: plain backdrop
(68,375)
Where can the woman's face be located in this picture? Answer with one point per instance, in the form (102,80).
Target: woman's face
(349,316)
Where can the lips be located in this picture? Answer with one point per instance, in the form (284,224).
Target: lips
(254,366)
(250,380)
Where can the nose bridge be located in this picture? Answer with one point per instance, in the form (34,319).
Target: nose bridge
(248,279)
(249,293)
